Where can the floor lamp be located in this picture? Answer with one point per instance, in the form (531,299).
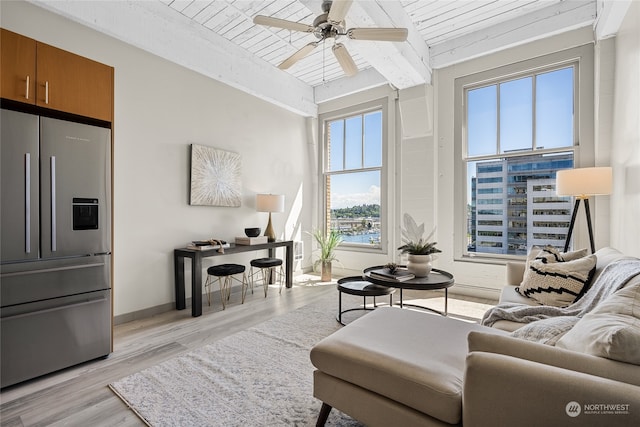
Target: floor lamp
(270,203)
(582,183)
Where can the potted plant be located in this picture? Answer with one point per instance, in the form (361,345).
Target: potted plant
(418,248)
(328,242)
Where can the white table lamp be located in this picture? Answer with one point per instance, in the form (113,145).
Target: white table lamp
(270,203)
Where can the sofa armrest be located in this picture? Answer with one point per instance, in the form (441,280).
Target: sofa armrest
(553,356)
(515,272)
(500,390)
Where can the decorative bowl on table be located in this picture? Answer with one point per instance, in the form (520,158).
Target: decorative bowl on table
(252,231)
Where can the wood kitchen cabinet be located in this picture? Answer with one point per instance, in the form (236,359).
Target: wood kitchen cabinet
(18,60)
(60,80)
(71,83)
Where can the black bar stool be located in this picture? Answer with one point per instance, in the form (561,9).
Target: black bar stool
(269,269)
(226,274)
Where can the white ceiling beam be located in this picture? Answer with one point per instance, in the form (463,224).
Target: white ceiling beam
(610,16)
(560,17)
(364,80)
(155,28)
(403,64)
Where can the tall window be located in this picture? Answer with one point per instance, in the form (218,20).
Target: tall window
(519,131)
(353,176)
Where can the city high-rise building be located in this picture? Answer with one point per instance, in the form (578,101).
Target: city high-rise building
(516,205)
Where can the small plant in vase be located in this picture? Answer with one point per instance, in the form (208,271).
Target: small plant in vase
(417,247)
(392,266)
(328,242)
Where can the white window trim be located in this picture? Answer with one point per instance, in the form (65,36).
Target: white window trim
(380,104)
(583,133)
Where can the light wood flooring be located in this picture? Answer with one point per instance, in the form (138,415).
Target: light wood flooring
(79,396)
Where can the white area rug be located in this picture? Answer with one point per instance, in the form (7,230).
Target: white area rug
(258,377)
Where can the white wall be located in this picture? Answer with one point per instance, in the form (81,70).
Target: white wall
(161,108)
(625,136)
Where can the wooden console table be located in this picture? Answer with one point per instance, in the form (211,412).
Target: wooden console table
(196,269)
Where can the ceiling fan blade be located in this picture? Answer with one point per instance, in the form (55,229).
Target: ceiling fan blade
(304,51)
(338,11)
(282,23)
(344,59)
(379,34)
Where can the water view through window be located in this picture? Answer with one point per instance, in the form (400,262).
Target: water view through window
(353,178)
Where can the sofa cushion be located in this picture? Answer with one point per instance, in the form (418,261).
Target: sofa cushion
(546,331)
(558,283)
(510,294)
(611,330)
(411,357)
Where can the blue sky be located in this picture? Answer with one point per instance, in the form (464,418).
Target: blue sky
(362,188)
(553,113)
(553,118)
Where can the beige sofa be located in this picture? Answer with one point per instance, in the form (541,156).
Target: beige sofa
(402,367)
(515,273)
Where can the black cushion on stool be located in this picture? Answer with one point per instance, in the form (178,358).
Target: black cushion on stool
(225,269)
(266,262)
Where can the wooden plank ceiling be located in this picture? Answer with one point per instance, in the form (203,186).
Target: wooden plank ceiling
(218,38)
(436,22)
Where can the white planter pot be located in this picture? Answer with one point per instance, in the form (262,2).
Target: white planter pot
(419,265)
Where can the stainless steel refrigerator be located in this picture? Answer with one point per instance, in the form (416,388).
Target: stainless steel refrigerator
(55,299)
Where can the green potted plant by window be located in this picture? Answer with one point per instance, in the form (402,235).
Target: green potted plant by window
(328,242)
(419,249)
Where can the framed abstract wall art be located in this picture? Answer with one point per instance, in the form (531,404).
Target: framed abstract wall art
(215,177)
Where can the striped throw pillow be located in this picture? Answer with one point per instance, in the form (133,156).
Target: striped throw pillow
(558,283)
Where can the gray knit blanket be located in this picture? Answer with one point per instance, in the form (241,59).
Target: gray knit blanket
(552,322)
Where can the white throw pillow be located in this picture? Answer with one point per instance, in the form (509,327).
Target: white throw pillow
(548,254)
(611,330)
(559,284)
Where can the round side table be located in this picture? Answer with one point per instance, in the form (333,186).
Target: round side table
(355,285)
(437,279)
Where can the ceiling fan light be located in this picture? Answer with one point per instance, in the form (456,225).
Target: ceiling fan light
(344,59)
(379,34)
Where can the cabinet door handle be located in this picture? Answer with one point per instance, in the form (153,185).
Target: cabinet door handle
(27,91)
(54,243)
(27,202)
(46,92)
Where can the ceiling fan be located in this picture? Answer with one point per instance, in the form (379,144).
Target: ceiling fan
(331,24)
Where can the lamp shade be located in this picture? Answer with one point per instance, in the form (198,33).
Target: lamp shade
(270,202)
(584,182)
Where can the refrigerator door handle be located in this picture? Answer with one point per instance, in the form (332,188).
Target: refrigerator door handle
(27,202)
(54,244)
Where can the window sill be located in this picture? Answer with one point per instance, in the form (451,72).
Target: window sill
(492,260)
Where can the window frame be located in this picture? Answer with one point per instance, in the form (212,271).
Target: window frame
(581,58)
(324,219)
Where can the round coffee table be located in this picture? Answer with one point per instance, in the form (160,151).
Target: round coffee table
(355,285)
(437,279)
